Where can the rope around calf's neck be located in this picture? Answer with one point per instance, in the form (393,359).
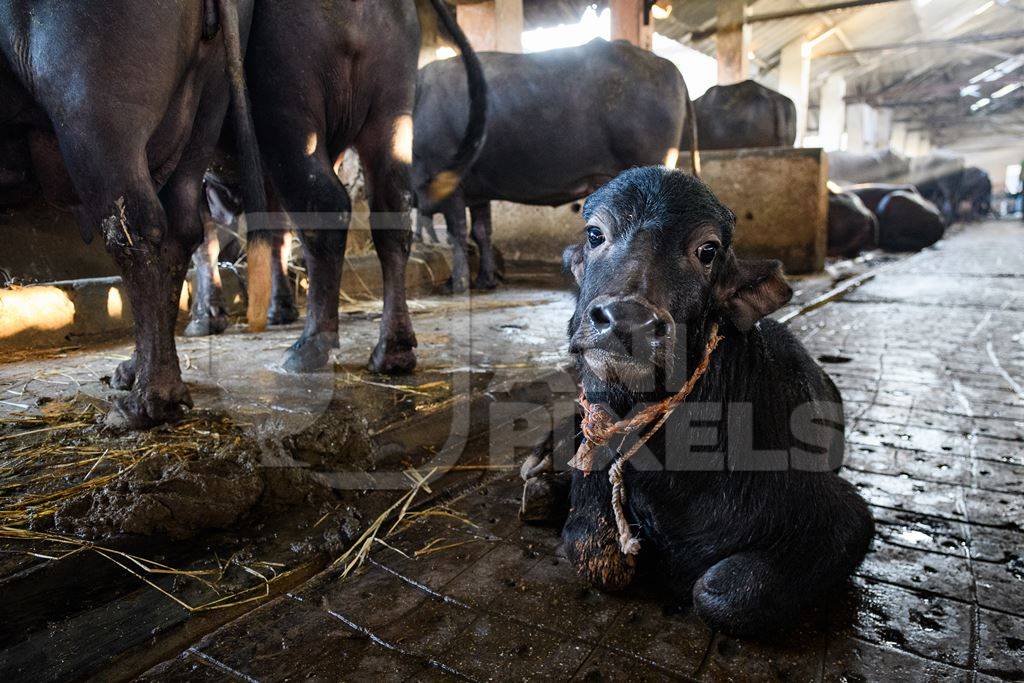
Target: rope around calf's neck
(599,428)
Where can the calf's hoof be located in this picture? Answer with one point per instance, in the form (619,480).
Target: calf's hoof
(124,375)
(282,313)
(393,361)
(310,353)
(206,326)
(145,407)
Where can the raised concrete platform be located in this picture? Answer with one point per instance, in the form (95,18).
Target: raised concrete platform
(748,181)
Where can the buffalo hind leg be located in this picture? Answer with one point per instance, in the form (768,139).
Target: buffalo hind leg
(455,218)
(283,310)
(425,228)
(387,180)
(320,208)
(762,593)
(153,261)
(480,214)
(208,315)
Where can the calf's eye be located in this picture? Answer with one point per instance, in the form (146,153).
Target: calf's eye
(706,253)
(594,236)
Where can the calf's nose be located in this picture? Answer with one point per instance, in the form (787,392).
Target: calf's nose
(626,323)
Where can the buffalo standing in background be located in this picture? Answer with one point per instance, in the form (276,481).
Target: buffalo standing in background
(326,75)
(121,103)
(560,124)
(744,115)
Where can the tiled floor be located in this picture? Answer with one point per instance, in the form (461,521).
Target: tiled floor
(929,356)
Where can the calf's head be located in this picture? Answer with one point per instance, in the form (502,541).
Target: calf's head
(655,269)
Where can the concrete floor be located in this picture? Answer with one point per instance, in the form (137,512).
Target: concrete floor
(929,355)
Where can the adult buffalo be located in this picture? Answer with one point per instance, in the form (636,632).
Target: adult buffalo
(325,76)
(976,193)
(744,516)
(852,228)
(561,123)
(745,115)
(908,222)
(122,103)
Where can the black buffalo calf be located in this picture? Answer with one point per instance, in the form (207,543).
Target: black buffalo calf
(735,501)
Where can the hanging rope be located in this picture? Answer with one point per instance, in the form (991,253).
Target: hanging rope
(599,428)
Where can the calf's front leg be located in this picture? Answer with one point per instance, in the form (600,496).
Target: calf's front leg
(591,537)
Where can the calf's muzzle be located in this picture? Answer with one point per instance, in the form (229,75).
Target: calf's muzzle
(627,326)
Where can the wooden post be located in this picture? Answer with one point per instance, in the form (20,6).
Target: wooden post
(493,24)
(628,23)
(731,42)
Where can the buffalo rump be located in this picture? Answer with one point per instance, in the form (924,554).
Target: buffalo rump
(561,123)
(744,115)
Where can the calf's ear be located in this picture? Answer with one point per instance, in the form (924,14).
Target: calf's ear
(750,290)
(572,261)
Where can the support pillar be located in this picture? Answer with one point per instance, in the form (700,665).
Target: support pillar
(832,119)
(860,128)
(883,128)
(628,23)
(493,25)
(898,138)
(795,81)
(731,40)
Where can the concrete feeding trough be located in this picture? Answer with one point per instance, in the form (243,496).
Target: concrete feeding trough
(748,181)
(752,182)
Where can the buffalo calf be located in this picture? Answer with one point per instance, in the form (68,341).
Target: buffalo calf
(735,501)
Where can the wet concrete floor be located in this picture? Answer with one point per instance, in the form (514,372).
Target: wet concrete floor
(928,353)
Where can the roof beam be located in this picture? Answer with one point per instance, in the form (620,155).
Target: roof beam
(921,44)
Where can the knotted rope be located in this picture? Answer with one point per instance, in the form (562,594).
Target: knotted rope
(599,428)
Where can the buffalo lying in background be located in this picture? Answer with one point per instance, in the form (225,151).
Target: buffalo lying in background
(121,104)
(873,193)
(746,518)
(744,115)
(561,123)
(877,167)
(852,227)
(908,222)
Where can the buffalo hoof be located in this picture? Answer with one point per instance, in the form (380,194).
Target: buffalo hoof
(157,403)
(453,286)
(207,326)
(282,313)
(485,283)
(393,361)
(310,353)
(124,375)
